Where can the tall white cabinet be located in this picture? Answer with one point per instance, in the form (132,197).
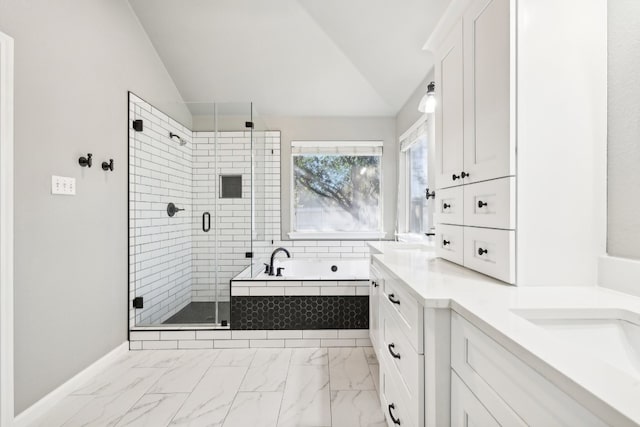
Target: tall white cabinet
(521,138)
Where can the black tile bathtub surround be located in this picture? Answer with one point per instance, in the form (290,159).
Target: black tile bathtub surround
(299,312)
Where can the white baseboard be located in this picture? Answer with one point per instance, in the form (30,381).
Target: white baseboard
(620,274)
(48,402)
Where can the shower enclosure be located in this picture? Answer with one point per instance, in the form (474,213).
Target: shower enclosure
(198,211)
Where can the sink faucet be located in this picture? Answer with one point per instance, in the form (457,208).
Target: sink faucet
(273,255)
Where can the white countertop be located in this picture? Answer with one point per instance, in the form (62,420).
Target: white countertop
(382,246)
(607,391)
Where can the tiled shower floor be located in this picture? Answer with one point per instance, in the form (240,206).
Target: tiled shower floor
(201,312)
(229,388)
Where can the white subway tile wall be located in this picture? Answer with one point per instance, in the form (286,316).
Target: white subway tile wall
(219,254)
(299,288)
(160,246)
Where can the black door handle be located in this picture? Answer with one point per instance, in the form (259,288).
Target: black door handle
(395,301)
(446,206)
(481,203)
(429,195)
(394,419)
(464,175)
(391,347)
(454,177)
(446,242)
(374,283)
(206,216)
(482,251)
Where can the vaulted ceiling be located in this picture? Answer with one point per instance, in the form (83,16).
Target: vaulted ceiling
(294,57)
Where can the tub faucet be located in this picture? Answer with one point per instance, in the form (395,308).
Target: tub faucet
(273,255)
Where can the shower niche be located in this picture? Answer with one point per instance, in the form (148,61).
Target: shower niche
(208,175)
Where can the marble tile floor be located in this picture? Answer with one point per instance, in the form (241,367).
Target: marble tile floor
(229,388)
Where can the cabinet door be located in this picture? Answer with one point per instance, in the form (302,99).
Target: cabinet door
(489,89)
(375,283)
(466,409)
(449,110)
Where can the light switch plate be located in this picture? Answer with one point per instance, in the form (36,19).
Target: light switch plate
(63,185)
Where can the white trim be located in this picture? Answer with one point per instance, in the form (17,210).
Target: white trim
(6,230)
(423,118)
(297,235)
(319,235)
(336,143)
(620,274)
(30,415)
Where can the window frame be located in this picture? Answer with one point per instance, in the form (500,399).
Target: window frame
(337,235)
(404,198)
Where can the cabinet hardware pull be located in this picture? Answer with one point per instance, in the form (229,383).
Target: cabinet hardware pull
(482,251)
(395,301)
(391,347)
(394,419)
(481,203)
(465,175)
(374,283)
(206,226)
(446,206)
(446,242)
(454,177)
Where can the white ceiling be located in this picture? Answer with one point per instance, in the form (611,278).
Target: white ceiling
(295,57)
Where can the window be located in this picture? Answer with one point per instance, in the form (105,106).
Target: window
(336,189)
(415,211)
(417,183)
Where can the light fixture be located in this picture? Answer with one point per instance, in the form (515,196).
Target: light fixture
(428,101)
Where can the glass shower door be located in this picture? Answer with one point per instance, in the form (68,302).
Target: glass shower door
(189,212)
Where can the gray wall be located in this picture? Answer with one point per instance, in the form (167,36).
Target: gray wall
(409,113)
(75,61)
(624,128)
(339,128)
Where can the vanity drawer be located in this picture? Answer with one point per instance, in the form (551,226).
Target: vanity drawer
(402,356)
(449,206)
(397,406)
(405,310)
(491,204)
(512,392)
(450,242)
(491,252)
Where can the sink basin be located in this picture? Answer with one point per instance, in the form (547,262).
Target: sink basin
(611,335)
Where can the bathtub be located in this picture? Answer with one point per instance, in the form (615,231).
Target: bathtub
(329,294)
(323,269)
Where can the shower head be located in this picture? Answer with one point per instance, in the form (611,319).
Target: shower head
(176,136)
